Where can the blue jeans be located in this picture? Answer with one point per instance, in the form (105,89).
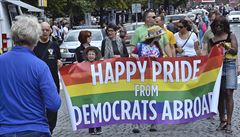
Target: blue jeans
(27,134)
(229,75)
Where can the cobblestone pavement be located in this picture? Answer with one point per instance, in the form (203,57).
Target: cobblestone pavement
(203,128)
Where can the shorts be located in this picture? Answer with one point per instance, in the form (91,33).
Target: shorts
(229,75)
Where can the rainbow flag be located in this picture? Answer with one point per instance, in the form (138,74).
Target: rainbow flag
(146,90)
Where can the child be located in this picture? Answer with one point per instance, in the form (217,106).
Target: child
(92,54)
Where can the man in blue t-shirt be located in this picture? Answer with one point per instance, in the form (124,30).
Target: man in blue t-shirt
(26,85)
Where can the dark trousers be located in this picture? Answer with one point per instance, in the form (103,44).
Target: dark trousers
(52,120)
(52,116)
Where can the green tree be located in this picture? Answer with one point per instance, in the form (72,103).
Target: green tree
(73,8)
(58,8)
(102,5)
(55,8)
(176,3)
(113,4)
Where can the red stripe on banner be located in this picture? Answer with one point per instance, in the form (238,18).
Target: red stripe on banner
(81,73)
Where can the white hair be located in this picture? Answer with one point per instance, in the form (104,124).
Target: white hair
(26,30)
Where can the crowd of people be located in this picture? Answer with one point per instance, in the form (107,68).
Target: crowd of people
(189,38)
(59,30)
(31,89)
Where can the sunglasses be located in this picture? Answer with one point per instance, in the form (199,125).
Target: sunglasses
(152,17)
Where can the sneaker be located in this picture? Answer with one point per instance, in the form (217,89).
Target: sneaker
(94,133)
(98,131)
(136,128)
(91,130)
(153,128)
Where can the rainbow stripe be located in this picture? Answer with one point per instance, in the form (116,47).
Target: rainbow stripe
(79,87)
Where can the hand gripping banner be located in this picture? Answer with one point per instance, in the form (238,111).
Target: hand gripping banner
(146,90)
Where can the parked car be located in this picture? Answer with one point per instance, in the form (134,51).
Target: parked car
(70,43)
(199,11)
(176,17)
(87,27)
(234,16)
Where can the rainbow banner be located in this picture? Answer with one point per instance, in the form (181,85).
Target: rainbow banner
(145,90)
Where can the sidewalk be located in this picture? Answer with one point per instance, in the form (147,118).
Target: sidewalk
(203,128)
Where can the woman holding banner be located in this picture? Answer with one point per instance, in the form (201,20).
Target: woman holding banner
(187,41)
(224,37)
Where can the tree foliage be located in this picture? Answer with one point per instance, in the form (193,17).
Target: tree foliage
(58,8)
(176,3)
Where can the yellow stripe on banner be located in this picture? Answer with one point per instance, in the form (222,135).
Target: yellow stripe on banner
(123,85)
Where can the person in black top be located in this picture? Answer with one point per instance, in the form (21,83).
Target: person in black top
(225,38)
(84,38)
(113,46)
(49,52)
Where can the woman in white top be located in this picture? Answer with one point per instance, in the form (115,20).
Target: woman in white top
(186,41)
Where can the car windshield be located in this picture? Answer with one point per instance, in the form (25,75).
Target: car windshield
(199,11)
(130,27)
(96,36)
(73,36)
(235,13)
(177,17)
(191,15)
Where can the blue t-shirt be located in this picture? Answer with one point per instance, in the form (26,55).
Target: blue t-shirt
(26,90)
